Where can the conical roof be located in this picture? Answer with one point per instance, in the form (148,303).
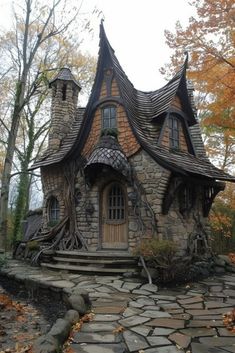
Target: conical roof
(65,74)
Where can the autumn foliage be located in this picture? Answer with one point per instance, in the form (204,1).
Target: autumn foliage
(209,38)
(229,320)
(21,315)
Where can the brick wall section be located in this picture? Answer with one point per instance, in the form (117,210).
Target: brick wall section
(176,103)
(126,137)
(94,134)
(103,91)
(114,89)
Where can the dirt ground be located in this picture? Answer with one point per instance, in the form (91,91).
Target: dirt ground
(24,317)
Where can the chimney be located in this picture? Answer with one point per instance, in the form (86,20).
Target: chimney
(65,91)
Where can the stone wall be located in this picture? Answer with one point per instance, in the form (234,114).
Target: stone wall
(145,191)
(87,211)
(178,227)
(151,181)
(53,184)
(62,112)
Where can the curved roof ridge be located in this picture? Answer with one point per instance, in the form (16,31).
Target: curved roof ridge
(148,104)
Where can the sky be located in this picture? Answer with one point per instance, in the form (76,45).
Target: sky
(135,29)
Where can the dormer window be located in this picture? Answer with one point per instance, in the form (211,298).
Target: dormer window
(174,132)
(109,117)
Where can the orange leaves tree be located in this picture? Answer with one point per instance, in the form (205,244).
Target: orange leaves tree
(209,38)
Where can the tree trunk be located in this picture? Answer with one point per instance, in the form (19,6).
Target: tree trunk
(20,204)
(24,183)
(8,162)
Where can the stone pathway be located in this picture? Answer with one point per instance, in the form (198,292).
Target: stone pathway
(134,317)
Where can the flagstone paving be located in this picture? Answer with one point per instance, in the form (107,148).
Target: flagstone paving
(132,316)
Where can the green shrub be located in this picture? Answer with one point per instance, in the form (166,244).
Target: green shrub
(161,251)
(162,255)
(110,132)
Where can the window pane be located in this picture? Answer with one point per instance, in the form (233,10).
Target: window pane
(113,123)
(105,123)
(175,123)
(54,209)
(109,117)
(113,112)
(106,112)
(174,132)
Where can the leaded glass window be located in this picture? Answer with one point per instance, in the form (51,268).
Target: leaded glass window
(109,117)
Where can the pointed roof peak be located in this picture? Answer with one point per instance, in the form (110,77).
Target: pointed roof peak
(65,74)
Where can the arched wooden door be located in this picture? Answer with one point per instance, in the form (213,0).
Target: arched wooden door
(114,217)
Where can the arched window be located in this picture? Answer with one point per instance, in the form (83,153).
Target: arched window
(174,132)
(115,204)
(53,209)
(109,117)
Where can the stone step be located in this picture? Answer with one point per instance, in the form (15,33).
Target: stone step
(88,269)
(103,254)
(117,262)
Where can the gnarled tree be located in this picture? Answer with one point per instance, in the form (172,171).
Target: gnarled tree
(27,52)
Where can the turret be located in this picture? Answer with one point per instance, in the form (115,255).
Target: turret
(65,91)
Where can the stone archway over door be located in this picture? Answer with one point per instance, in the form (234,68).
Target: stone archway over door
(114,217)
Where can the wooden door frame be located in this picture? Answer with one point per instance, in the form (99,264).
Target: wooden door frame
(104,189)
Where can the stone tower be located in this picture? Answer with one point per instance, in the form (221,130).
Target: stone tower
(65,91)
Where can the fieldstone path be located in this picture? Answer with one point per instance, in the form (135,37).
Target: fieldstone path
(132,316)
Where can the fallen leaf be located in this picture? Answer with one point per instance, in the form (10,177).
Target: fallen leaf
(119,329)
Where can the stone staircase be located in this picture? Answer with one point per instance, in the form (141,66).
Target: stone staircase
(99,262)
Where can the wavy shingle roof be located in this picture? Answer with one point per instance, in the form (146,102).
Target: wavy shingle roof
(141,108)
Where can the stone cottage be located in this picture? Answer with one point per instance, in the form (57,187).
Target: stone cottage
(130,165)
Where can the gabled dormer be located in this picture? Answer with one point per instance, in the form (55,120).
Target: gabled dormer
(175,134)
(106,113)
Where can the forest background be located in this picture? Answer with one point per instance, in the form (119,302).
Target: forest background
(45,37)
